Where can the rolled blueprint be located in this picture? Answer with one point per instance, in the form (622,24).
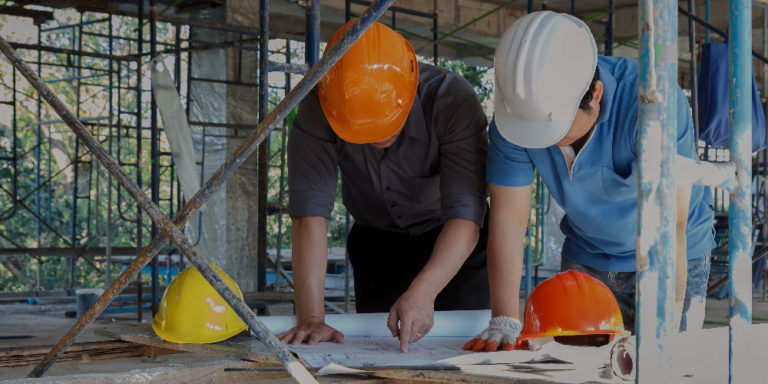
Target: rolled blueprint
(447,323)
(623,358)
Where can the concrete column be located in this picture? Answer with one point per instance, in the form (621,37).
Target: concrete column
(208,103)
(242,187)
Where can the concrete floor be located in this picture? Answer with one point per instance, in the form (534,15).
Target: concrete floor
(47,323)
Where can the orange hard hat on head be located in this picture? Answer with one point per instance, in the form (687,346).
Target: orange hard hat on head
(368,94)
(570,303)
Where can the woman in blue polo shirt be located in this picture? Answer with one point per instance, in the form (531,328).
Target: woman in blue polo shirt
(572,116)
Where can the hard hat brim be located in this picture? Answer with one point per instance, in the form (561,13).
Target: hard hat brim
(523,339)
(383,129)
(528,133)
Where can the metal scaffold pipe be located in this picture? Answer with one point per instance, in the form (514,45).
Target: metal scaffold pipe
(170,229)
(657,195)
(740,208)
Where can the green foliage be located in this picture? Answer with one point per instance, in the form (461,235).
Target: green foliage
(43,168)
(479,77)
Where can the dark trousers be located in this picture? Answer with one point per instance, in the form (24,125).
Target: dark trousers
(622,284)
(385,263)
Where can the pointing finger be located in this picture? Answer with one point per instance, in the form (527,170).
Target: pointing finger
(405,334)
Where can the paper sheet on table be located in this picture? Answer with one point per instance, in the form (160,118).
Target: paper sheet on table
(367,353)
(337,369)
(447,323)
(583,357)
(370,352)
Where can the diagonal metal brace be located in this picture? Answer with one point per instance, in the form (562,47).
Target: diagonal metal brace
(189,209)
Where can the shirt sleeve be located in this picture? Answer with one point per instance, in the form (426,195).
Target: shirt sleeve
(686,140)
(312,162)
(460,126)
(508,164)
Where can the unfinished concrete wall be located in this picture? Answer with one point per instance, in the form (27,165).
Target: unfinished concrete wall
(242,187)
(207,102)
(229,216)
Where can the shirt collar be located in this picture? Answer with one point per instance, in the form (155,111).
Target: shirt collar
(609,89)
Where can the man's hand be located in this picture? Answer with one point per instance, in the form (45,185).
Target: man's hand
(416,314)
(311,333)
(501,329)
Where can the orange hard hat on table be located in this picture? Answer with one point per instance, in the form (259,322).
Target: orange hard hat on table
(368,94)
(570,303)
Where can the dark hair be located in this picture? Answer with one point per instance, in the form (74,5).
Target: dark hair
(584,104)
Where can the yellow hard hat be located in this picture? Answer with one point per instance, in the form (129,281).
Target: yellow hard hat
(191,311)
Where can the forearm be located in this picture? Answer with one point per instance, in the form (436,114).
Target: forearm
(508,221)
(310,258)
(456,241)
(505,269)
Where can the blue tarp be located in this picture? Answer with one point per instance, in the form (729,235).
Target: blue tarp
(713,100)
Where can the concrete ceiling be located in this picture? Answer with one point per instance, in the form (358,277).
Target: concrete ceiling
(475,43)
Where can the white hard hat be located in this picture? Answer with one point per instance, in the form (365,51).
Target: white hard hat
(544,65)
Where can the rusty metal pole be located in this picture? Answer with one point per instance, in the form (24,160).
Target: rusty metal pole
(247,148)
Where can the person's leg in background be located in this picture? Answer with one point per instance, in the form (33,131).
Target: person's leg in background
(696,293)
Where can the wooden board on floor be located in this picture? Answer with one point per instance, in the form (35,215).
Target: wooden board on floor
(201,373)
(97,350)
(240,347)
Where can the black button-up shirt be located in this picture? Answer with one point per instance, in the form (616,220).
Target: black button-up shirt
(434,171)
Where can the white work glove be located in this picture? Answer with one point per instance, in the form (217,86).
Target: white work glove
(501,329)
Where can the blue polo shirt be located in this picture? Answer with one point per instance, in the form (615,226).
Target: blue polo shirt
(600,198)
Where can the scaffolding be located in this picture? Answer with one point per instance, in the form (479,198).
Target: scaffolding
(131,109)
(91,59)
(112,146)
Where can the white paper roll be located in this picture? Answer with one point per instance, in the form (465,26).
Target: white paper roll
(447,323)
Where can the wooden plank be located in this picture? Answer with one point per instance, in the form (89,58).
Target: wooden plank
(97,350)
(202,373)
(240,347)
(414,376)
